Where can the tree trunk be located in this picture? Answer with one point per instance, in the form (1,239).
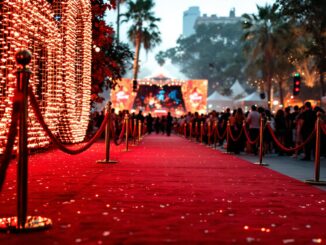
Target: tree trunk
(269,91)
(321,80)
(280,87)
(136,59)
(118,21)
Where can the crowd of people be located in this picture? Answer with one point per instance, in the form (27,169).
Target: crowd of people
(291,126)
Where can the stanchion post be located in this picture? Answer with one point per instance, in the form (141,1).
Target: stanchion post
(196,130)
(261,142)
(139,130)
(227,136)
(22,222)
(190,131)
(215,134)
(201,132)
(317,180)
(134,131)
(209,133)
(107,136)
(127,131)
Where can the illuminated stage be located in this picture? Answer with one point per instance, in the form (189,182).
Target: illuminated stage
(160,95)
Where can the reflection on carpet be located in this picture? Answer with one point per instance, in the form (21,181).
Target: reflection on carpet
(165,190)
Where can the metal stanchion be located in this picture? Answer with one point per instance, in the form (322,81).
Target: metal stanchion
(190,131)
(227,136)
(127,132)
(201,132)
(208,134)
(107,138)
(23,223)
(261,142)
(139,130)
(134,130)
(215,134)
(317,180)
(196,131)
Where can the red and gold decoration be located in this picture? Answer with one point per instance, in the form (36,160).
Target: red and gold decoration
(160,95)
(58,34)
(195,95)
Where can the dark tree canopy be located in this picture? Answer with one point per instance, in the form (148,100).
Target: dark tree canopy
(109,59)
(214,52)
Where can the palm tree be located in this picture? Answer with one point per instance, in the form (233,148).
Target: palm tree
(261,34)
(143,31)
(118,3)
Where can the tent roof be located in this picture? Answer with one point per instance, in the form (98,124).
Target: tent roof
(216,96)
(237,89)
(252,97)
(166,72)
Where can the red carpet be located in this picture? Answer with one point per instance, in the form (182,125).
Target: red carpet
(166,190)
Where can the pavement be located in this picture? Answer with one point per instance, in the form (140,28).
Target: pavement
(287,165)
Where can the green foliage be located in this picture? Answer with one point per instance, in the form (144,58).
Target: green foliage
(160,58)
(214,52)
(310,16)
(111,60)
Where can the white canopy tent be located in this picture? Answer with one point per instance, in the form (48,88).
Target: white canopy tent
(218,102)
(238,91)
(252,99)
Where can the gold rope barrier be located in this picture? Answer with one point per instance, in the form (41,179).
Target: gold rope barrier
(107,137)
(22,222)
(261,142)
(201,132)
(317,180)
(127,132)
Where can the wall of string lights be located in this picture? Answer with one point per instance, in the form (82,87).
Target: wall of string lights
(58,33)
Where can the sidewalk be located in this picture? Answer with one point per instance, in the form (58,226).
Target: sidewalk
(295,168)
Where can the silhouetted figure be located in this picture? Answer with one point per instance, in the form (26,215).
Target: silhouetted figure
(309,118)
(157,125)
(169,120)
(163,124)
(149,121)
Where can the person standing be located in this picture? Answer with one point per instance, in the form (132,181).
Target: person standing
(149,122)
(308,117)
(253,121)
(169,121)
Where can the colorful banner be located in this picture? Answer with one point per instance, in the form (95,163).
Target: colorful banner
(158,99)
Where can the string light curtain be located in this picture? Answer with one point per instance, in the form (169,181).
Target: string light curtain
(58,33)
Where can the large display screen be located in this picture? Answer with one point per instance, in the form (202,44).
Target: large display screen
(159,99)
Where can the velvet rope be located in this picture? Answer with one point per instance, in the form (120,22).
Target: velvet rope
(54,139)
(235,139)
(252,142)
(120,138)
(286,149)
(12,133)
(134,133)
(219,136)
(209,130)
(130,129)
(323,128)
(144,129)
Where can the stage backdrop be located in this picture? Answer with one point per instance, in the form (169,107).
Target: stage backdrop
(159,99)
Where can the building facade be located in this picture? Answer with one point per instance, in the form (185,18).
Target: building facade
(189,19)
